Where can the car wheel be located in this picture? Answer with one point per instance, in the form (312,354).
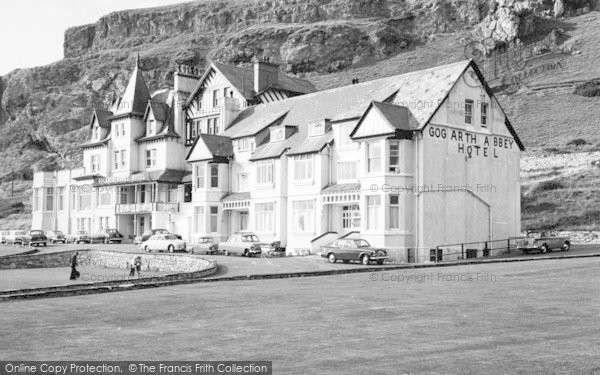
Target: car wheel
(246,253)
(331,257)
(545,249)
(380,262)
(566,246)
(171,248)
(146,249)
(365,260)
(44,244)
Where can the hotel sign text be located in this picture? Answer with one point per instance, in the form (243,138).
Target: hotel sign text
(473,144)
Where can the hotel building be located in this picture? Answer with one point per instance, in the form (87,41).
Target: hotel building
(409,162)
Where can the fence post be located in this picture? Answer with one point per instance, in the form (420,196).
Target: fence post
(462,251)
(508,245)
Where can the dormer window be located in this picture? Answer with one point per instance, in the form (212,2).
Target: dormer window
(96,133)
(243,144)
(277,134)
(151,127)
(318,128)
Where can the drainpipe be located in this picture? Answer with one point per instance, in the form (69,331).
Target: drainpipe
(417,174)
(329,218)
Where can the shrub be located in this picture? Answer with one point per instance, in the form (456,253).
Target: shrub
(577,142)
(589,89)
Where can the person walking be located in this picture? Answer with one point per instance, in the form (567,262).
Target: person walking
(138,265)
(74,273)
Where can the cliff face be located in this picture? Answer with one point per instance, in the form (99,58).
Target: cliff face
(44,110)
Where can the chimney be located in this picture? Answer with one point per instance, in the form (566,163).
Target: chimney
(265,74)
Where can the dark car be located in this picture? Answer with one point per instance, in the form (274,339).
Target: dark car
(149,233)
(55,236)
(107,236)
(348,250)
(36,237)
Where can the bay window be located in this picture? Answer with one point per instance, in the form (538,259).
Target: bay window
(214,175)
(303,216)
(394,211)
(374,157)
(373,211)
(199,225)
(265,217)
(303,167)
(394,157)
(199,172)
(264,172)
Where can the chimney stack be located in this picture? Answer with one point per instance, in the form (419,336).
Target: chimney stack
(265,74)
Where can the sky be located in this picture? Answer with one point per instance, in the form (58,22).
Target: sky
(32,31)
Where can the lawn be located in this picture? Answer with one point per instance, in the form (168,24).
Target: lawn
(529,317)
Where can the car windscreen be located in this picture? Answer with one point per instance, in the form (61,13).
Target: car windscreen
(170,237)
(249,238)
(361,243)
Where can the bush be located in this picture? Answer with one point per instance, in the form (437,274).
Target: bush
(577,142)
(589,89)
(549,185)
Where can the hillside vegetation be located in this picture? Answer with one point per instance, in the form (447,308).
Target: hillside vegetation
(44,110)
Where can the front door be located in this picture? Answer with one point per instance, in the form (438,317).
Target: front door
(243,221)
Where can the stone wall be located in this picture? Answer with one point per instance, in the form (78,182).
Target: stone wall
(109,259)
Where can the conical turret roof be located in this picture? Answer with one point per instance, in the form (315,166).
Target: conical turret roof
(136,94)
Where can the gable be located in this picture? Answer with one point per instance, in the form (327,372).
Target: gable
(472,86)
(199,151)
(372,124)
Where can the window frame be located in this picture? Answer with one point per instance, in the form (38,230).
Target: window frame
(469,111)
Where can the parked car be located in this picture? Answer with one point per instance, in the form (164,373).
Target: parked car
(540,242)
(79,237)
(348,250)
(204,245)
(36,237)
(17,237)
(147,234)
(163,242)
(107,236)
(242,243)
(55,236)
(3,235)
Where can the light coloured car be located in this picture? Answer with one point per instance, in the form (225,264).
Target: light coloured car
(17,237)
(3,235)
(79,237)
(163,242)
(242,243)
(204,245)
(55,236)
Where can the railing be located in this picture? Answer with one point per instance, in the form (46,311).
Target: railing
(139,208)
(354,232)
(467,250)
(322,240)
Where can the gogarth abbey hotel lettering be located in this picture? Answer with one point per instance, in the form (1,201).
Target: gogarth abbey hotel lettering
(473,144)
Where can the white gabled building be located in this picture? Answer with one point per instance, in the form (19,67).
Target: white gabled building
(409,162)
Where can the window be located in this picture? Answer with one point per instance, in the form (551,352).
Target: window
(468,110)
(123,195)
(116,159)
(216,125)
(277,134)
(151,127)
(104,198)
(199,226)
(85,200)
(242,182)
(346,170)
(303,167)
(215,98)
(225,91)
(316,128)
(151,158)
(394,211)
(49,199)
(187,192)
(243,144)
(484,114)
(199,172)
(373,207)
(37,199)
(303,215)
(350,217)
(214,217)
(265,217)
(264,172)
(60,198)
(214,175)
(197,127)
(123,159)
(209,129)
(95,163)
(394,157)
(374,158)
(194,130)
(173,190)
